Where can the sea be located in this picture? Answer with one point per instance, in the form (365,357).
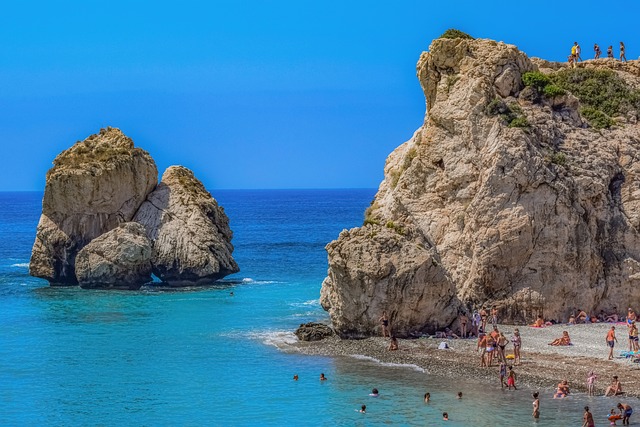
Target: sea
(221,355)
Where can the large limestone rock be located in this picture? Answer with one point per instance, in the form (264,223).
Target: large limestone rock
(120,258)
(92,187)
(190,232)
(540,219)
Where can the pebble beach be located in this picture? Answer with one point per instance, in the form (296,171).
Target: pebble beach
(542,367)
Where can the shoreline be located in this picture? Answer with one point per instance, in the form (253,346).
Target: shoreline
(542,367)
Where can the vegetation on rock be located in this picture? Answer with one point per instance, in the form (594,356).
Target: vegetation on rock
(512,114)
(452,33)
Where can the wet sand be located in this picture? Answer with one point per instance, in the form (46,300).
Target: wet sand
(542,367)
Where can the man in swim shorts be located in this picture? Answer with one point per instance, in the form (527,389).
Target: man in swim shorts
(626,412)
(611,341)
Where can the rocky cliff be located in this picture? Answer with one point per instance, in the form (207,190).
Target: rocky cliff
(522,195)
(93,192)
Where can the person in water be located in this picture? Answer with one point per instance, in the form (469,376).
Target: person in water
(427,397)
(536,406)
(445,416)
(626,411)
(295,377)
(503,374)
(564,340)
(587,418)
(613,417)
(459,395)
(363,409)
(591,384)
(511,379)
(374,393)
(562,390)
(322,377)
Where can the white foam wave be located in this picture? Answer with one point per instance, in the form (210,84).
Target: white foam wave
(258,282)
(306,303)
(247,280)
(277,339)
(21,265)
(388,364)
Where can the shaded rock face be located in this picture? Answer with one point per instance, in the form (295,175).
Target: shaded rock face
(190,232)
(119,258)
(313,331)
(507,224)
(92,187)
(96,231)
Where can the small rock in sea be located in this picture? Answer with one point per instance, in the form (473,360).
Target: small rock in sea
(313,331)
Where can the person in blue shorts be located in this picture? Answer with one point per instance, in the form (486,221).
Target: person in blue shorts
(626,410)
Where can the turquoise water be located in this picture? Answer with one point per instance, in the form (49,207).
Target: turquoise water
(201,356)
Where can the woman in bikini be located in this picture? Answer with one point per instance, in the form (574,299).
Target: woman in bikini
(511,379)
(562,390)
(564,340)
(463,325)
(491,347)
(483,319)
(516,340)
(384,320)
(623,57)
(536,406)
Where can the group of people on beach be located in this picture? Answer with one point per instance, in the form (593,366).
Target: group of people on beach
(574,57)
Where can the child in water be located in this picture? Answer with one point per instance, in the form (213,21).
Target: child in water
(511,379)
(591,384)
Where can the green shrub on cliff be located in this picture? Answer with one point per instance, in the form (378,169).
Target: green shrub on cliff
(452,33)
(602,93)
(542,83)
(512,114)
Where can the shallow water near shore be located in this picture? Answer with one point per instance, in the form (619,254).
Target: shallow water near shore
(202,356)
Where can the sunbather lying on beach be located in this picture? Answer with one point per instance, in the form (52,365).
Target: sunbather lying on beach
(564,340)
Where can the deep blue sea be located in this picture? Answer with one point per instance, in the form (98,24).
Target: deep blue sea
(201,356)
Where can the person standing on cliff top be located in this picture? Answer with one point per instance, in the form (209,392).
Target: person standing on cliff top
(384,320)
(577,52)
(597,51)
(610,52)
(611,341)
(623,57)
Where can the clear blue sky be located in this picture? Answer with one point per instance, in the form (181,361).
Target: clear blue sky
(251,94)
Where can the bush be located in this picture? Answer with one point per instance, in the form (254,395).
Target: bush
(535,79)
(452,33)
(551,91)
(519,122)
(597,118)
(497,106)
(602,93)
(559,159)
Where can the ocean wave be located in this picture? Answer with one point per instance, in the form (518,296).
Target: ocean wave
(388,364)
(306,303)
(278,339)
(21,265)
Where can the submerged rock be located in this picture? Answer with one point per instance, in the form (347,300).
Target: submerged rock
(120,258)
(497,200)
(313,331)
(92,187)
(190,232)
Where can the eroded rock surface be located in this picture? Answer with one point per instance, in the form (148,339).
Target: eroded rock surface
(190,232)
(92,187)
(120,258)
(541,218)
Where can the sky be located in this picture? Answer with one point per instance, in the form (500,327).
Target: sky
(252,94)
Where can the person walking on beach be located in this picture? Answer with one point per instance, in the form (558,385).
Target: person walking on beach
(587,418)
(633,336)
(494,317)
(611,341)
(511,379)
(597,51)
(623,57)
(516,340)
(591,384)
(384,320)
(536,406)
(626,411)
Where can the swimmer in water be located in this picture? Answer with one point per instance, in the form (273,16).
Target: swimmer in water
(295,377)
(536,406)
(459,395)
(427,397)
(445,416)
(322,377)
(363,409)
(374,393)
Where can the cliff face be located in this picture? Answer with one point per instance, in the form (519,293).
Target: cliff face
(93,192)
(534,213)
(92,187)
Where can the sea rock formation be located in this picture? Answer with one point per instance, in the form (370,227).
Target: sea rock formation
(190,232)
(505,197)
(313,331)
(92,187)
(120,258)
(101,183)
